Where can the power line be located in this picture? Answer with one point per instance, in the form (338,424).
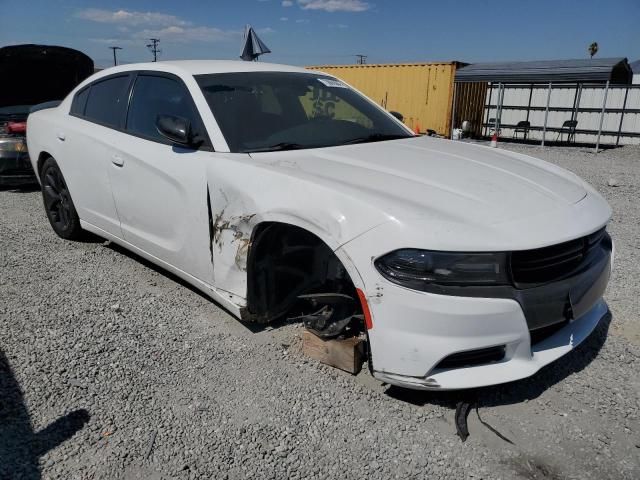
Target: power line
(115,61)
(361,59)
(153,46)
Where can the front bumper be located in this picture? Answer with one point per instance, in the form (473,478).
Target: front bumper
(521,360)
(414,332)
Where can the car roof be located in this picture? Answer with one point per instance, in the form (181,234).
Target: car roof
(199,67)
(187,68)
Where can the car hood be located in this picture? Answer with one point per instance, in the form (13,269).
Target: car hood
(423,176)
(33,74)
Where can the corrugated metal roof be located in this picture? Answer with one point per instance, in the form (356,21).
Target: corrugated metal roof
(375,65)
(595,70)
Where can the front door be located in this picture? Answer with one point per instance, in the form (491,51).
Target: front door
(160,188)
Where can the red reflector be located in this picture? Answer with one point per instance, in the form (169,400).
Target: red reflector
(365,309)
(16,127)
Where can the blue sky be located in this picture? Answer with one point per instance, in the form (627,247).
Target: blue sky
(304,32)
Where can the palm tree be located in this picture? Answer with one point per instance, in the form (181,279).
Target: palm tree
(593,49)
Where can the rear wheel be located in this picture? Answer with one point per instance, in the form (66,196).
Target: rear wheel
(58,205)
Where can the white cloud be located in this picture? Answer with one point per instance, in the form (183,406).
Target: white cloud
(284,19)
(287,3)
(302,20)
(131,18)
(178,34)
(341,26)
(168,28)
(111,41)
(334,5)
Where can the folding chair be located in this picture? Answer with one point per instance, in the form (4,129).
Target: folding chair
(568,127)
(523,127)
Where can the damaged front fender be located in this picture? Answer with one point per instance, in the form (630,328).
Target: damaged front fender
(231,224)
(243,198)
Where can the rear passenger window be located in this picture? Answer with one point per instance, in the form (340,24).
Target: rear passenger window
(79,102)
(107,101)
(153,96)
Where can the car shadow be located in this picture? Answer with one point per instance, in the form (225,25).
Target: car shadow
(165,273)
(88,237)
(251,326)
(28,188)
(255,327)
(20,446)
(518,391)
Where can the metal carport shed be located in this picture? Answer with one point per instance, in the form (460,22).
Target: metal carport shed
(583,100)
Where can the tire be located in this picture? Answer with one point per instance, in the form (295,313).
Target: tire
(58,204)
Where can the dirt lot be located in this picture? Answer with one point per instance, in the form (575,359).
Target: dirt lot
(112,369)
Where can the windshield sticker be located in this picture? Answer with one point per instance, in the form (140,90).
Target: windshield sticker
(332,83)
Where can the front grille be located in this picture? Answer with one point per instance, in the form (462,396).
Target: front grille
(547,264)
(473,358)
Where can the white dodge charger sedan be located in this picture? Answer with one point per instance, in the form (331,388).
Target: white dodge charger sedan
(285,193)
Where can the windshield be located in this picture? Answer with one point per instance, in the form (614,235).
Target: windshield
(268,111)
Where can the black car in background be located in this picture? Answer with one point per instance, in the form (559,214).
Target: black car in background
(31,75)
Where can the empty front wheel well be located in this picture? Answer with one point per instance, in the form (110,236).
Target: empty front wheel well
(286,262)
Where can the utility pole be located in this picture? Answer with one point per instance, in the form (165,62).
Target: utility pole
(115,61)
(153,46)
(361,59)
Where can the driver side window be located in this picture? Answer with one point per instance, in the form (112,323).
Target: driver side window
(156,95)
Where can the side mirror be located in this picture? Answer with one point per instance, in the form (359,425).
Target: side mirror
(176,129)
(398,115)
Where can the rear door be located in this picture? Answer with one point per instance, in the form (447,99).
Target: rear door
(160,188)
(97,113)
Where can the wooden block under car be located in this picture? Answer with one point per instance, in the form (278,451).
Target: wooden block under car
(346,354)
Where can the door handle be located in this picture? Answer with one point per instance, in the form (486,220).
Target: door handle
(117,160)
(60,136)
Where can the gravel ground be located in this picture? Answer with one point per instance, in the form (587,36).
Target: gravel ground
(112,369)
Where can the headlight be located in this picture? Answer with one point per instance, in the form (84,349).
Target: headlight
(421,269)
(13,145)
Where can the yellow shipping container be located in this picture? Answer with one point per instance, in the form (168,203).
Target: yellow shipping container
(421,92)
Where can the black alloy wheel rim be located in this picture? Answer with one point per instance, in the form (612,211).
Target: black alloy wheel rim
(56,199)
